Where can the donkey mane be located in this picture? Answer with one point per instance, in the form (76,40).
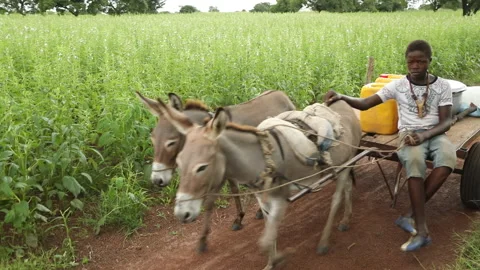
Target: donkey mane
(242,128)
(196,105)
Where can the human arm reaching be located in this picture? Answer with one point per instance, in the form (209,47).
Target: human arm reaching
(357,103)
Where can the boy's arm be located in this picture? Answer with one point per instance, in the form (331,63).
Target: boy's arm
(444,124)
(357,103)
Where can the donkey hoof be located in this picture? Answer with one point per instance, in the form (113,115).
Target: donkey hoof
(202,247)
(259,214)
(322,250)
(278,260)
(236,227)
(343,227)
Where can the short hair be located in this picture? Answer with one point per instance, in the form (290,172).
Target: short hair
(419,45)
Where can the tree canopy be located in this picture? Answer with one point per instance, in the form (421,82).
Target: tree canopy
(119,7)
(188,9)
(77,7)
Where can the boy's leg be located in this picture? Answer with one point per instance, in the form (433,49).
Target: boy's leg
(413,159)
(417,199)
(444,159)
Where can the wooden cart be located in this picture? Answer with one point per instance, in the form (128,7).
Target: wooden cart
(463,134)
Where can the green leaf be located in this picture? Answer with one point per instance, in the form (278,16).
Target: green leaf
(99,224)
(21,208)
(20,213)
(5,155)
(10,216)
(43,208)
(88,177)
(5,188)
(40,188)
(31,240)
(61,195)
(41,217)
(77,204)
(72,185)
(106,139)
(20,185)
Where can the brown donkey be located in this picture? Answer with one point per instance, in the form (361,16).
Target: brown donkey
(168,142)
(221,150)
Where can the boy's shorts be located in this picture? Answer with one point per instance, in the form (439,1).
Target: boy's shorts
(439,149)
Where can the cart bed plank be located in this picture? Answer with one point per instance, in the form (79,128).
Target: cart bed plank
(459,134)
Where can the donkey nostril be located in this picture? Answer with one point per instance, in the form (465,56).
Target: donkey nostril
(187,215)
(158,181)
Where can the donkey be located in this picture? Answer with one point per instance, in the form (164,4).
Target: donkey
(168,142)
(223,150)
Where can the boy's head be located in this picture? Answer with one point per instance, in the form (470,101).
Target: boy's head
(418,56)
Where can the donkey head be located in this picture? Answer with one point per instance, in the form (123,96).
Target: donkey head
(201,165)
(167,141)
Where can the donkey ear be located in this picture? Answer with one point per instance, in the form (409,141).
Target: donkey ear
(176,118)
(219,122)
(151,104)
(175,102)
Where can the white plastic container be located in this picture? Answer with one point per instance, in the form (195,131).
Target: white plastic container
(457,89)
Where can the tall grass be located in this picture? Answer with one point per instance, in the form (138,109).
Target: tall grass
(468,251)
(72,127)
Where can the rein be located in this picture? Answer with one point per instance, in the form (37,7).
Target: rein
(166,169)
(270,168)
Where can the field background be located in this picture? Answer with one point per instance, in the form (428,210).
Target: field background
(75,139)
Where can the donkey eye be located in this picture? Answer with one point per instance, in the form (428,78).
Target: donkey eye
(202,168)
(170,143)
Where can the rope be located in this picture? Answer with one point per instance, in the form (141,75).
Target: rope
(267,149)
(166,169)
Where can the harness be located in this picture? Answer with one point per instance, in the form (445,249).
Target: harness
(270,173)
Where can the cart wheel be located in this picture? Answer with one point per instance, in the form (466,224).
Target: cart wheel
(470,183)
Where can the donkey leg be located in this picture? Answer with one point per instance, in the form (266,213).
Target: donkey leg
(322,247)
(237,224)
(273,211)
(347,215)
(259,214)
(202,243)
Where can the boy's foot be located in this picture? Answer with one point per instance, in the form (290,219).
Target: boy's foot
(407,224)
(416,242)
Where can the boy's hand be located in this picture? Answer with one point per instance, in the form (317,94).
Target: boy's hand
(414,139)
(331,97)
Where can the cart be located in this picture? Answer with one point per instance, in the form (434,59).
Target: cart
(464,134)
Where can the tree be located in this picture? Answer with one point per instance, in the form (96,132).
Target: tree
(261,7)
(391,5)
(368,5)
(359,5)
(155,5)
(283,6)
(188,9)
(19,6)
(470,7)
(333,5)
(213,9)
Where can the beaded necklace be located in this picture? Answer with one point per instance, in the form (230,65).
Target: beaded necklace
(420,103)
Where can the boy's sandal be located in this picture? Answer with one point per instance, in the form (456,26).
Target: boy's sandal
(416,242)
(407,224)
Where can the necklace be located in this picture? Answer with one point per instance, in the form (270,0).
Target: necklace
(420,103)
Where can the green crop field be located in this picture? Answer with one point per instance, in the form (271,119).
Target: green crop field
(74,138)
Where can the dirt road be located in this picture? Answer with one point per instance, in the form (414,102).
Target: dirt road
(373,241)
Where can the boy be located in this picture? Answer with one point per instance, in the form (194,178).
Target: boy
(424,109)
